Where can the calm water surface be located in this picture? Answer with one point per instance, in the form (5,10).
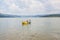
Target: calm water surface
(39,29)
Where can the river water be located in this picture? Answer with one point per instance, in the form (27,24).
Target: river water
(40,29)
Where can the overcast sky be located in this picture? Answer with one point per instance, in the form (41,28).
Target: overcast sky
(30,7)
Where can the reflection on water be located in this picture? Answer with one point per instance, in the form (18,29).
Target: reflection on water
(39,29)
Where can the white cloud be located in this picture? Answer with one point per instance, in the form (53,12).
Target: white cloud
(32,6)
(36,6)
(56,6)
(1,11)
(55,3)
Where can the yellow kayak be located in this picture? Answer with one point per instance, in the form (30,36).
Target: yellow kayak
(26,23)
